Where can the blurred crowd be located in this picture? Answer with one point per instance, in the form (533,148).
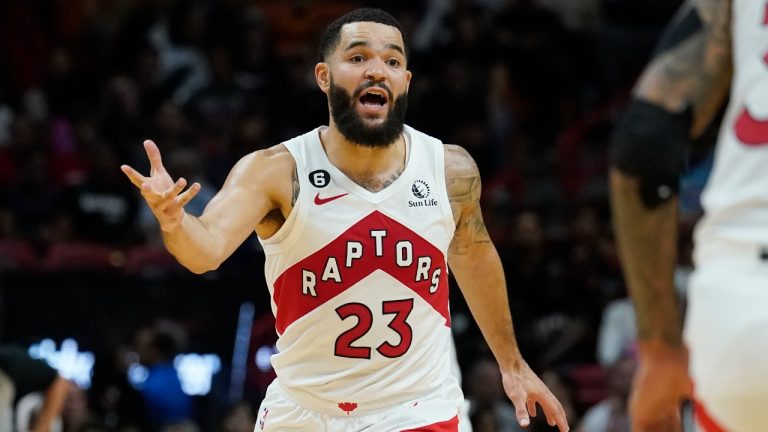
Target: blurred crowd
(532,88)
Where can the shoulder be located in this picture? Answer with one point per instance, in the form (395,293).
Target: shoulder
(459,163)
(265,165)
(462,177)
(276,156)
(269,172)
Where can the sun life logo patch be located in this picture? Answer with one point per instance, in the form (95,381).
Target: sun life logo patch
(420,189)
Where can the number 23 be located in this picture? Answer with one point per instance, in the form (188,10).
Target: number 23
(401,309)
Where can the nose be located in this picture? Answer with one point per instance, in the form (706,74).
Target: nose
(376,70)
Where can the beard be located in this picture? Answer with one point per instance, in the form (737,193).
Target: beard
(352,125)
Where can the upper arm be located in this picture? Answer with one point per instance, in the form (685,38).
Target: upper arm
(258,184)
(692,63)
(462,179)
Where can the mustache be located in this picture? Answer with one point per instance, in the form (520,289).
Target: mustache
(368,84)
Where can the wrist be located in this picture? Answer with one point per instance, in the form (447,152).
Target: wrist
(511,362)
(656,349)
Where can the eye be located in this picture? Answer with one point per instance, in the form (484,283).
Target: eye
(393,63)
(357,58)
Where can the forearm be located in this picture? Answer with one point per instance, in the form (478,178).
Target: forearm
(53,404)
(690,69)
(647,243)
(193,245)
(480,276)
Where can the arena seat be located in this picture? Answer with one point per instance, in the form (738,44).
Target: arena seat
(82,256)
(150,260)
(17,254)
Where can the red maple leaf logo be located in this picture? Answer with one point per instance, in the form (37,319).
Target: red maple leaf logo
(348,407)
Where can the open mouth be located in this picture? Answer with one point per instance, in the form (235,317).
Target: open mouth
(373,98)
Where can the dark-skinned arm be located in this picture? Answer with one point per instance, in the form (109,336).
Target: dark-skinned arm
(691,71)
(694,73)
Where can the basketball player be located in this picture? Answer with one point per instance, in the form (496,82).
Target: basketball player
(726,328)
(359,221)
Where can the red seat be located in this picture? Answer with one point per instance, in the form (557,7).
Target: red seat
(150,259)
(82,256)
(589,384)
(17,254)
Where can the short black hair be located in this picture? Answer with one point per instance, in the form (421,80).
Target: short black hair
(332,33)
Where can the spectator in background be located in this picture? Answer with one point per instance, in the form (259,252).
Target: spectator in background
(489,409)
(617,332)
(172,123)
(612,413)
(526,255)
(157,345)
(76,414)
(178,41)
(217,106)
(22,375)
(101,208)
(117,402)
(29,192)
(238,418)
(30,199)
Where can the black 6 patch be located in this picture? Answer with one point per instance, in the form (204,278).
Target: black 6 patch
(319,178)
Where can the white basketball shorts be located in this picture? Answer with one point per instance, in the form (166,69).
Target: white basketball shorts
(433,413)
(726,331)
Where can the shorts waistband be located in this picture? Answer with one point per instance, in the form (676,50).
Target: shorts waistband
(345,408)
(723,249)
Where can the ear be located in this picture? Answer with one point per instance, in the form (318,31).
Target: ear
(323,76)
(408,76)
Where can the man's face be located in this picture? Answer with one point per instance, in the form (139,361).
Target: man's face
(367,83)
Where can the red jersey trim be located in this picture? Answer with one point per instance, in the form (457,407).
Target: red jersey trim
(451,425)
(704,419)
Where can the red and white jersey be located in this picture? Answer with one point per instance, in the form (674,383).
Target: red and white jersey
(735,199)
(359,284)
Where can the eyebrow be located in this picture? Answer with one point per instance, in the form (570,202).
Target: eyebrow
(358,43)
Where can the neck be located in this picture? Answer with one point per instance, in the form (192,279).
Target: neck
(356,160)
(371,168)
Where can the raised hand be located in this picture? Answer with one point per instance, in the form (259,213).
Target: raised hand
(525,390)
(163,196)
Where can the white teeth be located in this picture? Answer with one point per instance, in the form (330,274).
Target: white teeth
(376,93)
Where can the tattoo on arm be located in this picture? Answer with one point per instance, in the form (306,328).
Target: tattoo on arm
(464,196)
(295,186)
(695,71)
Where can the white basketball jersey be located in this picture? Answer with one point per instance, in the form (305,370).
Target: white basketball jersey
(358,282)
(735,199)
